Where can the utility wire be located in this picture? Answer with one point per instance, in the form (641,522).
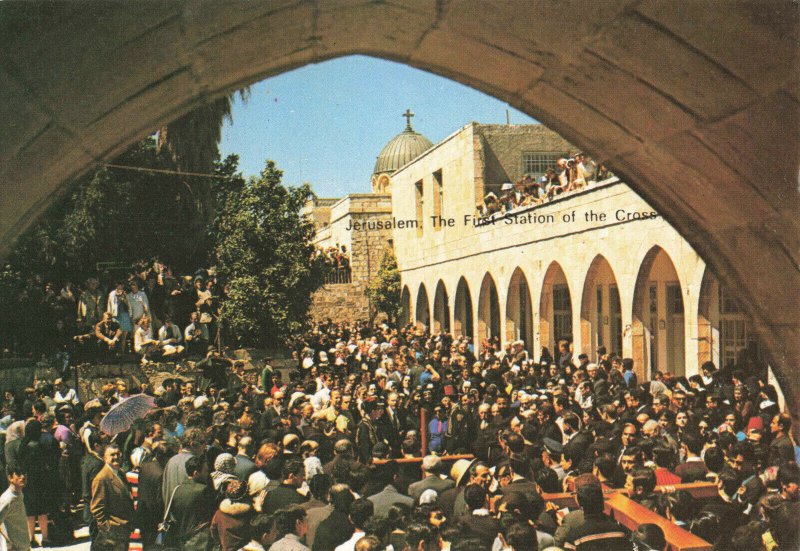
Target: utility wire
(165,171)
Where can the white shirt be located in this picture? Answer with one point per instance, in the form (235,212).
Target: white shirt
(350,545)
(174,333)
(187,333)
(69,397)
(141,336)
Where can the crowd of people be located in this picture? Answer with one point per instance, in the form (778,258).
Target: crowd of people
(335,261)
(322,455)
(569,175)
(151,313)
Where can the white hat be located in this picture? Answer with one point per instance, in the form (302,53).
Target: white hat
(307,363)
(200,401)
(506,186)
(428,496)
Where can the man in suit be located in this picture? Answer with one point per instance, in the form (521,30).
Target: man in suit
(383,500)
(111,504)
(244,464)
(431,467)
(694,468)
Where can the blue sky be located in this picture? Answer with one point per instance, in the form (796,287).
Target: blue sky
(325,123)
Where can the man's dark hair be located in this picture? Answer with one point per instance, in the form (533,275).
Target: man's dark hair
(607,465)
(194,437)
(706,526)
(714,459)
(14,470)
(627,364)
(547,479)
(286,519)
(193,464)
(590,498)
(681,505)
(417,533)
(341,498)
(521,536)
(293,466)
(693,443)
(650,535)
(320,484)
(748,536)
(360,512)
(475,497)
(387,472)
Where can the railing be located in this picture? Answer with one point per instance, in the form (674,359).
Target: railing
(631,514)
(338,276)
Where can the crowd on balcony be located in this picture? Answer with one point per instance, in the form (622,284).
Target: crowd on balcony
(147,311)
(348,449)
(336,263)
(570,175)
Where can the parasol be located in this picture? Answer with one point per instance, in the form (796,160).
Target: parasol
(122,414)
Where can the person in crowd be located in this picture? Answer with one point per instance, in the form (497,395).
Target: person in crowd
(196,335)
(119,309)
(111,504)
(13,520)
(192,507)
(291,525)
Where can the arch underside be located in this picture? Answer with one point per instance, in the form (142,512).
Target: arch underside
(689,105)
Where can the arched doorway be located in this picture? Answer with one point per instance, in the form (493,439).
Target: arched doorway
(462,312)
(659,340)
(488,309)
(441,309)
(601,313)
(519,312)
(555,309)
(725,334)
(422,313)
(405,306)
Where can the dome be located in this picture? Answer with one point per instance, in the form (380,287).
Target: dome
(402,149)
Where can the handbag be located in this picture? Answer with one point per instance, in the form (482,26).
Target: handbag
(166,523)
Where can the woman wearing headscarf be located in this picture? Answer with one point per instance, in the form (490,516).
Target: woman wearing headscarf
(224,469)
(38,458)
(230,526)
(14,435)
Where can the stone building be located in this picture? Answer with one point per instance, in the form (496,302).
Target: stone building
(358,224)
(597,267)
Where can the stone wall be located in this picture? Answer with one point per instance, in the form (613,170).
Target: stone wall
(344,302)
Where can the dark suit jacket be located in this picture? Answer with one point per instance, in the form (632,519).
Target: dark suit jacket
(692,471)
(112,502)
(389,496)
(435,483)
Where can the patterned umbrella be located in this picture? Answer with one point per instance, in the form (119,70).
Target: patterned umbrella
(122,414)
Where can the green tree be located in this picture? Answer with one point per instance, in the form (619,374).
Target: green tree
(384,289)
(264,253)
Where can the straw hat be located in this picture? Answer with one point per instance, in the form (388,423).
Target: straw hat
(459,469)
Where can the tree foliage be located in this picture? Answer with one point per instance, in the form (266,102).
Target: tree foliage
(122,216)
(264,253)
(384,289)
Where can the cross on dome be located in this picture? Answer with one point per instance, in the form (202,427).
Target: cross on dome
(408,114)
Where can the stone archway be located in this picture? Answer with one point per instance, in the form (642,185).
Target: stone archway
(658,328)
(462,312)
(422,311)
(519,312)
(690,106)
(601,312)
(405,306)
(488,309)
(441,309)
(555,309)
